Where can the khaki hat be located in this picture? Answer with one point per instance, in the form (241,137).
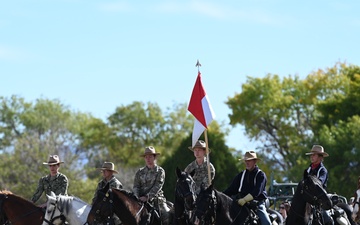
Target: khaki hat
(317,149)
(53,160)
(150,150)
(199,144)
(108,166)
(250,155)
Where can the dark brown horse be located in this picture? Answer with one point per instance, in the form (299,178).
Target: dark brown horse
(15,210)
(124,204)
(185,197)
(309,190)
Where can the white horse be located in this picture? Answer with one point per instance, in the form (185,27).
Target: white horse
(65,208)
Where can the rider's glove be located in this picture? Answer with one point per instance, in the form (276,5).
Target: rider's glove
(245,199)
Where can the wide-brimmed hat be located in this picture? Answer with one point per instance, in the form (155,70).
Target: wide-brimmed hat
(108,166)
(53,160)
(250,155)
(317,149)
(150,150)
(199,144)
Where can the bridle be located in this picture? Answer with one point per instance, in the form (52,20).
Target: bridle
(52,217)
(314,198)
(8,222)
(180,192)
(183,193)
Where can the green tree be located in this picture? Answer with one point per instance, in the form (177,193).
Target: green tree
(29,133)
(288,116)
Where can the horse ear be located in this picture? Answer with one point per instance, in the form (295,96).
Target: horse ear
(178,172)
(52,194)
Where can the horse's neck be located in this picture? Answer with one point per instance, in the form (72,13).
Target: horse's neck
(223,209)
(17,209)
(297,210)
(126,207)
(76,211)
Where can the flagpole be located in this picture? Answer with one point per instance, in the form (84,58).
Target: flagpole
(207,156)
(206,138)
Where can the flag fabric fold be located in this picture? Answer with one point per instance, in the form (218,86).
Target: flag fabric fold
(201,109)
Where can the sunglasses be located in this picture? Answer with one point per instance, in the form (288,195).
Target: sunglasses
(282,207)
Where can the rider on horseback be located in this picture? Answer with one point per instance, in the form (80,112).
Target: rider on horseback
(148,184)
(54,182)
(318,169)
(200,167)
(108,171)
(250,184)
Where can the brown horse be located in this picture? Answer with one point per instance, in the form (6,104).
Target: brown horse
(124,204)
(15,210)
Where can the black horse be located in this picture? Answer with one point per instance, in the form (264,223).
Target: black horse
(184,197)
(215,208)
(309,190)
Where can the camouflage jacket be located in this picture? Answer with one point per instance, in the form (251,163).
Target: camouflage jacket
(201,173)
(149,182)
(113,183)
(58,184)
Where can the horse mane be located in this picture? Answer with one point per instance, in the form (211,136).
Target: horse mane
(6,192)
(127,193)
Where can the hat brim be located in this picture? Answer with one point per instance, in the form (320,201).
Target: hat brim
(54,163)
(192,149)
(324,154)
(108,169)
(248,159)
(142,155)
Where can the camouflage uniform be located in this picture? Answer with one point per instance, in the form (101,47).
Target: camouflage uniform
(113,183)
(57,184)
(201,174)
(149,182)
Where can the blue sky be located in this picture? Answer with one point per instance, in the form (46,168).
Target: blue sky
(97,55)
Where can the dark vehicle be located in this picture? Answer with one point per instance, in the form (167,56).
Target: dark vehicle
(280,192)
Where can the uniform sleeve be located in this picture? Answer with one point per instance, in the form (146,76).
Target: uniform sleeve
(136,186)
(189,168)
(159,182)
(39,191)
(323,176)
(233,189)
(260,185)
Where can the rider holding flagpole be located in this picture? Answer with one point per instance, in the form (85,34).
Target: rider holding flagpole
(200,165)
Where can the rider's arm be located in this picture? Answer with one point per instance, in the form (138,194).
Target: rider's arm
(39,191)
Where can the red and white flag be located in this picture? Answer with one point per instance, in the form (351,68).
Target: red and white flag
(200,107)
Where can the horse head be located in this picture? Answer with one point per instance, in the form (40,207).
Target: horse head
(185,188)
(313,192)
(102,208)
(205,212)
(53,214)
